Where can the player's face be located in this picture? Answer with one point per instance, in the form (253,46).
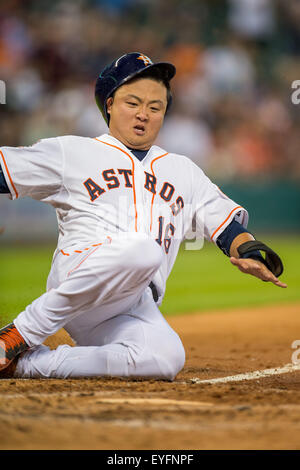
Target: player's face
(137,112)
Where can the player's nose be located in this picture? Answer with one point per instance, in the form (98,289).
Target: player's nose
(142,114)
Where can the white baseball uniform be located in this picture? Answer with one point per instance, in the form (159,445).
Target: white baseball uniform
(121,222)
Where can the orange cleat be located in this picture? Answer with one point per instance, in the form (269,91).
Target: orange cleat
(12,343)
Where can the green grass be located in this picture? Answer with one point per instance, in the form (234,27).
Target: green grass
(200,281)
(206,280)
(23,276)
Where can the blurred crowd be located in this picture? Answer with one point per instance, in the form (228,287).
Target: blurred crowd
(236,61)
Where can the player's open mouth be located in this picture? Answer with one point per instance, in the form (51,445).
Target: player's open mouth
(139,129)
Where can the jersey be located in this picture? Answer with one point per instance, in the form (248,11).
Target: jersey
(100,189)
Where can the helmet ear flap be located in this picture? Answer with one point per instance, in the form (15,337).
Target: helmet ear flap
(103,87)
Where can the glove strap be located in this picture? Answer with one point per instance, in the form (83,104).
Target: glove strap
(272,260)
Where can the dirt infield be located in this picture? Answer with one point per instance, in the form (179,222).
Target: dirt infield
(261,413)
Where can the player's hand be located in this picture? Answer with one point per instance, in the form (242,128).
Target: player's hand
(257,269)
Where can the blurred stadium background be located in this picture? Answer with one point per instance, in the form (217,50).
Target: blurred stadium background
(232,114)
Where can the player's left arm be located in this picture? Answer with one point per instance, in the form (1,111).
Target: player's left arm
(245,253)
(254,266)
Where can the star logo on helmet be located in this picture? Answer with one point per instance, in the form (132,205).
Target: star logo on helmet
(145,59)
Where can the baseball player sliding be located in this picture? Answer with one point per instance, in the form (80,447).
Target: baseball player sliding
(123,205)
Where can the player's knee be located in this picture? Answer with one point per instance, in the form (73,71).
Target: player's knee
(143,254)
(174,363)
(168,365)
(179,360)
(149,254)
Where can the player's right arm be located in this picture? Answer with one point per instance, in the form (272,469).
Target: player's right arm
(35,171)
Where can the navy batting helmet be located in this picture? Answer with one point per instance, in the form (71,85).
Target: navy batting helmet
(124,69)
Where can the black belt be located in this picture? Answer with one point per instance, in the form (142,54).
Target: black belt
(154,291)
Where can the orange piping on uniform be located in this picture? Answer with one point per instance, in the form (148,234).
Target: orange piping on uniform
(238,207)
(10,179)
(133,181)
(91,252)
(153,196)
(84,249)
(65,254)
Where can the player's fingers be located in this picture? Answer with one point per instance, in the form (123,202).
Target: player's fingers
(263,273)
(280,284)
(257,269)
(268,276)
(253,267)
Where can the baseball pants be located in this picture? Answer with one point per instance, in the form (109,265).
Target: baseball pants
(100,295)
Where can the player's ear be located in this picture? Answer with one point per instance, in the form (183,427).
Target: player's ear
(109,103)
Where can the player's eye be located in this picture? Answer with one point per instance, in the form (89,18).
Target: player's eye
(131,103)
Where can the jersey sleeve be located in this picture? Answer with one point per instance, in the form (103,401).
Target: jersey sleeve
(213,210)
(34,171)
